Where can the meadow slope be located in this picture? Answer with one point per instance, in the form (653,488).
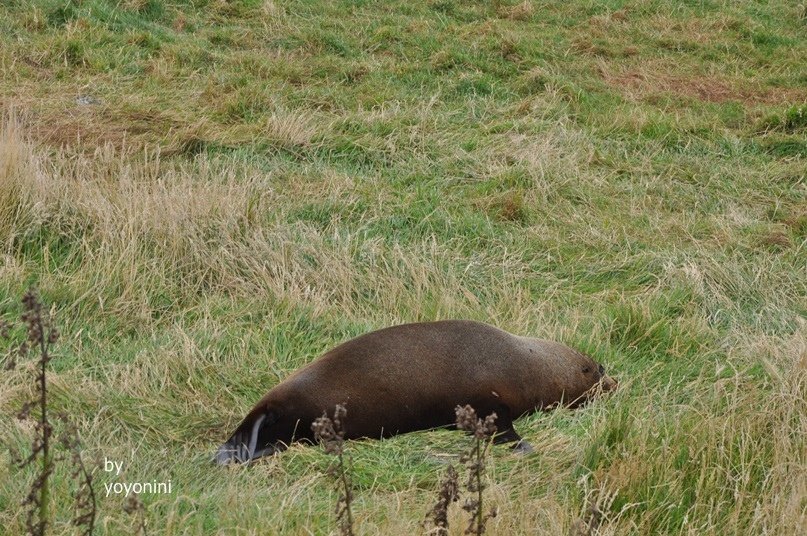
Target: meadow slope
(210,193)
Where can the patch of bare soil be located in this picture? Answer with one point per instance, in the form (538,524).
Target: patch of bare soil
(645,84)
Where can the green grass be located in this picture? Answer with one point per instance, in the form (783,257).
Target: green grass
(254,182)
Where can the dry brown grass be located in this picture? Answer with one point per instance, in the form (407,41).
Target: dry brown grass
(291,130)
(648,81)
(148,226)
(523,11)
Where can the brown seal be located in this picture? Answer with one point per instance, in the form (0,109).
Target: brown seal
(411,377)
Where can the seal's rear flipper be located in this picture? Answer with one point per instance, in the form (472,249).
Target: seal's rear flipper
(245,444)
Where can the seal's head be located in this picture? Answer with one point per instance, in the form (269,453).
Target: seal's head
(566,376)
(600,383)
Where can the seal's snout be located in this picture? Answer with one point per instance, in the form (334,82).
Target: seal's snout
(608,383)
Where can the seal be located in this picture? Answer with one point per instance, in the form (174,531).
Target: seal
(411,377)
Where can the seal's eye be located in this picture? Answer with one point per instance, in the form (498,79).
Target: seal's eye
(586,370)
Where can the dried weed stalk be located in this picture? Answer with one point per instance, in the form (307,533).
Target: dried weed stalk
(449,493)
(474,460)
(134,506)
(330,433)
(41,334)
(84,494)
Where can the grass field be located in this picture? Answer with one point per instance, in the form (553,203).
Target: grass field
(211,193)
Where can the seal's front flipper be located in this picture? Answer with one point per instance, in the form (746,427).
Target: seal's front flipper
(508,434)
(519,445)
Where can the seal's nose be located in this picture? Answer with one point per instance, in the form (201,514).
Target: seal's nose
(608,383)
